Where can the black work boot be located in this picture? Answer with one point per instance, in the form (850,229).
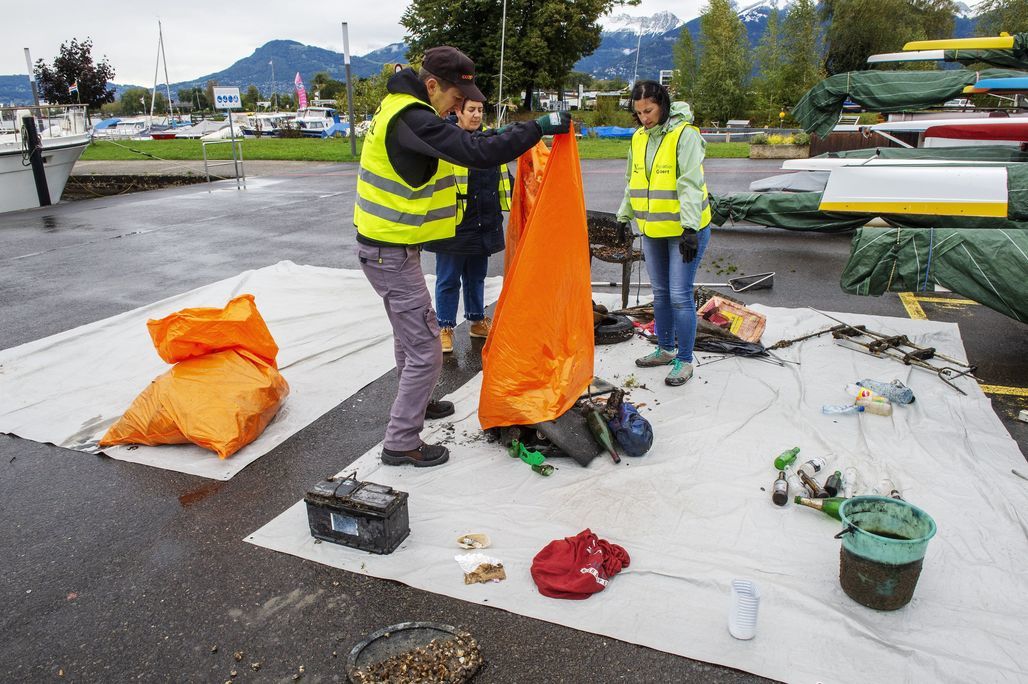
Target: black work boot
(425,456)
(438,409)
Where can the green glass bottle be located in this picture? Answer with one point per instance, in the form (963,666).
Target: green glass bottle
(786,457)
(598,428)
(829,507)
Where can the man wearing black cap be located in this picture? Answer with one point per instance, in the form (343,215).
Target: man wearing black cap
(406,196)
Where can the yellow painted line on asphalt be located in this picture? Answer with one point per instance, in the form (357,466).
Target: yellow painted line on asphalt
(944,300)
(1008,391)
(914,309)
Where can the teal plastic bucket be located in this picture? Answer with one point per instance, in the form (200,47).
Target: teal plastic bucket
(883,546)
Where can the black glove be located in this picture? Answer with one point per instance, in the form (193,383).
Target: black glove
(554,123)
(624,231)
(689,245)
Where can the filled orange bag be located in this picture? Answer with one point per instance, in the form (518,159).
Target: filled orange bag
(222,392)
(538,358)
(531,166)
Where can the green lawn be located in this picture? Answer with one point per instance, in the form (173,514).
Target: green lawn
(329,150)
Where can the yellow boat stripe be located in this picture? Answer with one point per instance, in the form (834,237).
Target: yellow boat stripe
(1009,391)
(995,209)
(987,43)
(914,309)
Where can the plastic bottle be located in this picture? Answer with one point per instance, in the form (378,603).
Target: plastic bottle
(829,507)
(786,457)
(780,490)
(835,409)
(849,486)
(834,483)
(894,391)
(814,465)
(795,484)
(879,406)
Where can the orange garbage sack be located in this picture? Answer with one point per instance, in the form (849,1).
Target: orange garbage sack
(538,358)
(221,399)
(530,176)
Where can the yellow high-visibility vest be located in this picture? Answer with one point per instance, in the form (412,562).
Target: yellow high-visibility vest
(654,198)
(461,174)
(388,209)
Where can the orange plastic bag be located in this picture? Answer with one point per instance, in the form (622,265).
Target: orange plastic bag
(221,400)
(538,359)
(530,176)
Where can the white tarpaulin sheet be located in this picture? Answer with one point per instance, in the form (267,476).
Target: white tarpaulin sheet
(696,512)
(330,327)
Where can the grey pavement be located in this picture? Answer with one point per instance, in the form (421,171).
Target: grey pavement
(114,571)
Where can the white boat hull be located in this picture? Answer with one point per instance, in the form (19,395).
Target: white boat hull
(17,184)
(940,191)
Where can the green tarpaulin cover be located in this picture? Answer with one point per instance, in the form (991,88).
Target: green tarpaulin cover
(988,266)
(1017,192)
(1015,57)
(883,91)
(798,211)
(993,153)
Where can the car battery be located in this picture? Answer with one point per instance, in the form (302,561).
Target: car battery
(363,515)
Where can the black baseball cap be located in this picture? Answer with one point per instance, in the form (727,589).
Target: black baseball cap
(450,64)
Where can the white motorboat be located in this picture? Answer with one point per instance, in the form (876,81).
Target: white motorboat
(64,134)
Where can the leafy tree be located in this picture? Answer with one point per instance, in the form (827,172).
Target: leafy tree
(802,42)
(197,97)
(770,57)
(136,100)
(720,89)
(683,78)
(74,64)
(544,38)
(576,78)
(367,93)
(250,98)
(608,85)
(1002,15)
(208,91)
(860,28)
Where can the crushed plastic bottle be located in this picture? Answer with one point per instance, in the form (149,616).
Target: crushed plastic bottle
(894,391)
(849,480)
(834,409)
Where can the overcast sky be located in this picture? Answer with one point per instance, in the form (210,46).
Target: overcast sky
(203,37)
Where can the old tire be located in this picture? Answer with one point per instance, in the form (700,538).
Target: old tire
(614,328)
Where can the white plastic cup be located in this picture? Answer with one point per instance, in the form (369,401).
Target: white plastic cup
(742,613)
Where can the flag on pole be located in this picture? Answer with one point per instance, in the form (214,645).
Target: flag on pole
(73,88)
(301,92)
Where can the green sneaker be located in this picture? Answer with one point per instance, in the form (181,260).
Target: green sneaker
(660,357)
(679,374)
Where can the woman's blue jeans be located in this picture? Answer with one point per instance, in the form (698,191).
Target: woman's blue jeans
(452,271)
(674,308)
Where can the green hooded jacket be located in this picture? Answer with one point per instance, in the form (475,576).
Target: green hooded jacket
(691,150)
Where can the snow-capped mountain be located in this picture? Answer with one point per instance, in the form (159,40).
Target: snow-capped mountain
(964,11)
(654,25)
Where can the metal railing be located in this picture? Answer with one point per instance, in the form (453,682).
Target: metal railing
(236,161)
(52,121)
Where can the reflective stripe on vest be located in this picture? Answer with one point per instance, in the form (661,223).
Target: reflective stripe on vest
(461,174)
(387,208)
(654,199)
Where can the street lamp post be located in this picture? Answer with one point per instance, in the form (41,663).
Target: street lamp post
(499,95)
(638,47)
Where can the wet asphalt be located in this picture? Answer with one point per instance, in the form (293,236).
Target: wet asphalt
(114,571)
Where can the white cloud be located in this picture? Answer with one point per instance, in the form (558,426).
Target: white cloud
(202,37)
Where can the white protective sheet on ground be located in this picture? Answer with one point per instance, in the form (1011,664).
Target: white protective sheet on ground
(330,326)
(696,512)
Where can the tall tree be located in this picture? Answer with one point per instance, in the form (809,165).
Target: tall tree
(802,40)
(74,64)
(860,28)
(683,77)
(720,88)
(196,97)
(544,38)
(250,98)
(1002,15)
(771,60)
(136,100)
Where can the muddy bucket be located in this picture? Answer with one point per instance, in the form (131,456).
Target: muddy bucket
(883,546)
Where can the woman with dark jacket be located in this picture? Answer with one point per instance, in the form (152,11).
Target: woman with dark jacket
(462,261)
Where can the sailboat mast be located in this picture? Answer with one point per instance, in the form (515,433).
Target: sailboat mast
(164,58)
(156,68)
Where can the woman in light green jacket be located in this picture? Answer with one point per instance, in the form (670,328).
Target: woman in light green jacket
(666,195)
